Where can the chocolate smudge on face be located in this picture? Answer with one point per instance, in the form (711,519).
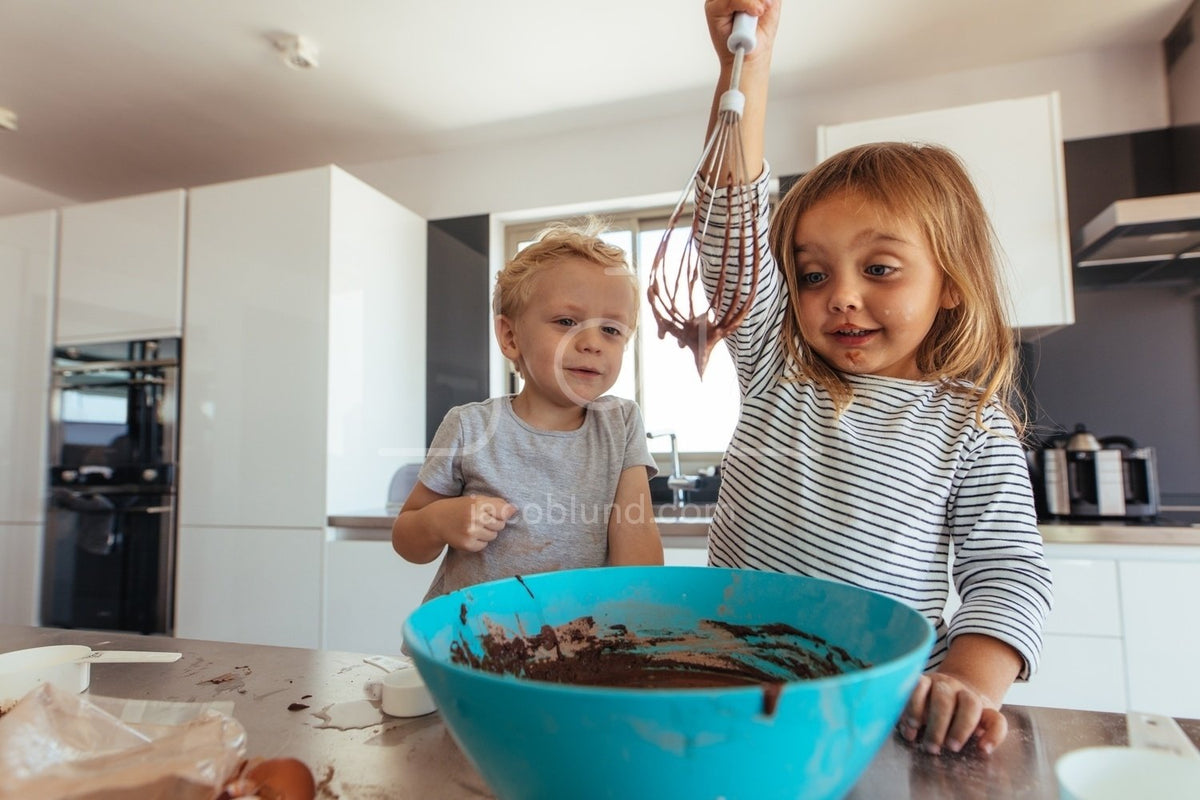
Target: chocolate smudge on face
(715,654)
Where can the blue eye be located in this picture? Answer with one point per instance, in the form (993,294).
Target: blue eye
(612,330)
(565,322)
(811,278)
(879,270)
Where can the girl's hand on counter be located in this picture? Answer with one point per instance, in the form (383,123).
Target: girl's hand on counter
(946,712)
(960,701)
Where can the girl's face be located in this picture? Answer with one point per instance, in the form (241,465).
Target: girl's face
(570,338)
(869,287)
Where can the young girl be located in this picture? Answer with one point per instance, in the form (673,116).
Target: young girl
(556,476)
(875,437)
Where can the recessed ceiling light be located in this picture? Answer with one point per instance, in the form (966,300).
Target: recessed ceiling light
(8,118)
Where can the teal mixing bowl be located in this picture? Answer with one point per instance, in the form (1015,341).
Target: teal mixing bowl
(783,738)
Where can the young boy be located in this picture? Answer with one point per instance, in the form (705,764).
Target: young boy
(556,476)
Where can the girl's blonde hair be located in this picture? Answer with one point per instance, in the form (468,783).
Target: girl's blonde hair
(970,346)
(514,283)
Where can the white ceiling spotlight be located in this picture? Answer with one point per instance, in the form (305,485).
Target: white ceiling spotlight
(298,51)
(8,118)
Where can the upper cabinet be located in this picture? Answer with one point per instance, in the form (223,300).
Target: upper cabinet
(121,269)
(304,350)
(1014,152)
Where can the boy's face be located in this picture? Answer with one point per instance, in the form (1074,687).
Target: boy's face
(570,338)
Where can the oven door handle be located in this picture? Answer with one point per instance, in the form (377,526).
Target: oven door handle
(94,469)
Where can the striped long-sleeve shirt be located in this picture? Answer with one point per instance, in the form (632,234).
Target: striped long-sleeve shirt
(881,495)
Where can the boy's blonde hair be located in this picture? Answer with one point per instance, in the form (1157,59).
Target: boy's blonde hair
(514,283)
(970,346)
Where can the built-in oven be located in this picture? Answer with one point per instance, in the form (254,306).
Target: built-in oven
(109,544)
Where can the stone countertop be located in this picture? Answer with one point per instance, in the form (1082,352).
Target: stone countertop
(690,523)
(418,758)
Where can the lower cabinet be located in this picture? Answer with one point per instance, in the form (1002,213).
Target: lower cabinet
(1083,652)
(1162,647)
(251,585)
(369,593)
(1081,672)
(685,556)
(20,554)
(1118,638)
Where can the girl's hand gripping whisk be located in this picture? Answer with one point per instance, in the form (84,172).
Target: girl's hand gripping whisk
(676,297)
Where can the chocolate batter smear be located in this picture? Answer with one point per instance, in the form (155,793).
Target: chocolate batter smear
(715,654)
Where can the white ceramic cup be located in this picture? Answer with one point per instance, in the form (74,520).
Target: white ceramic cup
(1122,773)
(402,693)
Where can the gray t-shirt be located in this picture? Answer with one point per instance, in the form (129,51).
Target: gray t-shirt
(563,484)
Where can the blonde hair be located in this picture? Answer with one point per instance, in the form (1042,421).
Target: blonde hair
(969,347)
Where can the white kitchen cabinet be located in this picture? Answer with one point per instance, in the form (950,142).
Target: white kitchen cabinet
(1083,652)
(1083,672)
(121,269)
(369,593)
(27,256)
(303,375)
(1159,599)
(250,585)
(1013,152)
(20,573)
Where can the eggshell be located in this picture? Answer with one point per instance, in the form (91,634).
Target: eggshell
(283,779)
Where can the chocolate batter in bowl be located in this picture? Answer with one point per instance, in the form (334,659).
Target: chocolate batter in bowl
(675,681)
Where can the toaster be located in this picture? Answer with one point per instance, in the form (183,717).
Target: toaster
(1082,477)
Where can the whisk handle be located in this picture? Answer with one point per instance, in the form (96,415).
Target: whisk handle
(745,33)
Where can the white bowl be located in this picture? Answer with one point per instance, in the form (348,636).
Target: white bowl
(23,670)
(1122,773)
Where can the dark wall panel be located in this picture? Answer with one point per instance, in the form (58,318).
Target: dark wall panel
(458,316)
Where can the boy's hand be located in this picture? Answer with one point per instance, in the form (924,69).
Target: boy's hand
(471,522)
(944,711)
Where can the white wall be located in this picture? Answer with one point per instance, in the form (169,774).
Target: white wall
(1103,93)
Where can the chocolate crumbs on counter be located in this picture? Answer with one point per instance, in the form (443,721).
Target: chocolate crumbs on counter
(297,706)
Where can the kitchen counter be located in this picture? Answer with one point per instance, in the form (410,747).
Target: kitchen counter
(689,524)
(418,758)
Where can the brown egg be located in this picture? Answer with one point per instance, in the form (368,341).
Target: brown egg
(282,779)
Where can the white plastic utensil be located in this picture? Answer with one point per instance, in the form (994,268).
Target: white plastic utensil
(1159,732)
(129,657)
(67,666)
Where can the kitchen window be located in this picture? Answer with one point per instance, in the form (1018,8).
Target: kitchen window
(657,373)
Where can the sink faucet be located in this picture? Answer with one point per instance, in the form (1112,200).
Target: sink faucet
(676,481)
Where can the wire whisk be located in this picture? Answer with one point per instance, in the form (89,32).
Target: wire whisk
(676,294)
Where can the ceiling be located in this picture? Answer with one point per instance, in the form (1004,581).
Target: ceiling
(118,97)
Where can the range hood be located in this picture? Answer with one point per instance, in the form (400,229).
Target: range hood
(1143,230)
